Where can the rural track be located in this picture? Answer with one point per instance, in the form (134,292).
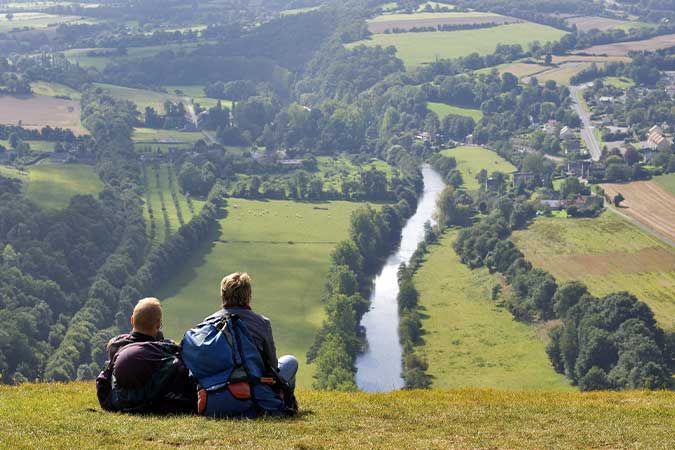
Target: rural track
(587,130)
(289,242)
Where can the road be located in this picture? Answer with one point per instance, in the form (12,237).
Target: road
(210,139)
(594,147)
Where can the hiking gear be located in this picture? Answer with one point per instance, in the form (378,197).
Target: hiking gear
(146,376)
(234,378)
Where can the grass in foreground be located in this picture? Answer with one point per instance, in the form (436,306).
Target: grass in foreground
(68,416)
(472,159)
(609,254)
(469,341)
(285,246)
(443,109)
(416,49)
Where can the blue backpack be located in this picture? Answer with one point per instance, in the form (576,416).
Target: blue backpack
(233,379)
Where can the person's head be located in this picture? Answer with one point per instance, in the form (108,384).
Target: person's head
(147,316)
(235,290)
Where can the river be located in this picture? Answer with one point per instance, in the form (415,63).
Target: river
(379,368)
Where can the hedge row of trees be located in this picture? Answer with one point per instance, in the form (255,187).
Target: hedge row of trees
(611,342)
(373,235)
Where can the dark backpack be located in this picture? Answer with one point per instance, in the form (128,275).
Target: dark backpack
(165,387)
(233,377)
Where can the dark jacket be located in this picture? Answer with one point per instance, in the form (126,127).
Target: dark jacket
(149,376)
(260,329)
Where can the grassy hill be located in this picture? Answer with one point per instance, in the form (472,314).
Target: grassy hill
(68,416)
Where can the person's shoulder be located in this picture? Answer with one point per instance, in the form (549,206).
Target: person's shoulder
(119,339)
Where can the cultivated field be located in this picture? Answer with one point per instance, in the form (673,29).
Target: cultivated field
(54,90)
(443,109)
(561,74)
(519,69)
(285,247)
(36,20)
(38,111)
(587,23)
(648,203)
(416,49)
(588,58)
(623,48)
(469,340)
(609,254)
(153,137)
(51,186)
(424,19)
(472,159)
(169,213)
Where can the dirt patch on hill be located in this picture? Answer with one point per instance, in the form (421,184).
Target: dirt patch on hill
(648,203)
(622,48)
(380,27)
(38,111)
(653,259)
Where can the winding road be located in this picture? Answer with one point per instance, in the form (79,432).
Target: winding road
(594,147)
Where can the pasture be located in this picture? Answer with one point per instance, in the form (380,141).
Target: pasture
(337,169)
(54,90)
(38,111)
(623,48)
(385,22)
(156,99)
(285,246)
(469,341)
(607,253)
(619,82)
(443,109)
(416,49)
(519,69)
(38,146)
(666,182)
(647,203)
(22,20)
(83,58)
(152,137)
(472,159)
(561,74)
(51,186)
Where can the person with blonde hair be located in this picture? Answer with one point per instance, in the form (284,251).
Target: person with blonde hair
(236,293)
(144,371)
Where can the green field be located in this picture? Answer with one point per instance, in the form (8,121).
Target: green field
(472,159)
(64,416)
(152,137)
(51,186)
(667,182)
(430,15)
(471,342)
(156,99)
(79,55)
(609,254)
(292,12)
(619,82)
(443,109)
(158,196)
(37,20)
(39,146)
(54,90)
(285,247)
(196,93)
(416,49)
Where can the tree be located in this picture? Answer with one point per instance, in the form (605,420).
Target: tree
(618,198)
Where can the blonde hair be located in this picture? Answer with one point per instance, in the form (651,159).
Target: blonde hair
(147,314)
(235,289)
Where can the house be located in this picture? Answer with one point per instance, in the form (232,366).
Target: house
(655,129)
(566,133)
(606,99)
(657,141)
(553,204)
(290,162)
(469,140)
(424,137)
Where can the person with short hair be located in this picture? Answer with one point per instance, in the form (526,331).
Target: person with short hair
(144,371)
(236,294)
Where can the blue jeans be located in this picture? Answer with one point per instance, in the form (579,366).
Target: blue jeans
(288,368)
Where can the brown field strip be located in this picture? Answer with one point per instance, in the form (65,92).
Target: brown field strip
(584,58)
(38,111)
(648,203)
(622,48)
(380,27)
(588,23)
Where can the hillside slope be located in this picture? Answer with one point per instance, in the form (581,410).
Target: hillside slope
(68,416)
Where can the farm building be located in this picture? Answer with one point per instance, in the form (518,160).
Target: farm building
(551,127)
(657,141)
(566,133)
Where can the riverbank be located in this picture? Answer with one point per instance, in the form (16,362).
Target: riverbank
(379,368)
